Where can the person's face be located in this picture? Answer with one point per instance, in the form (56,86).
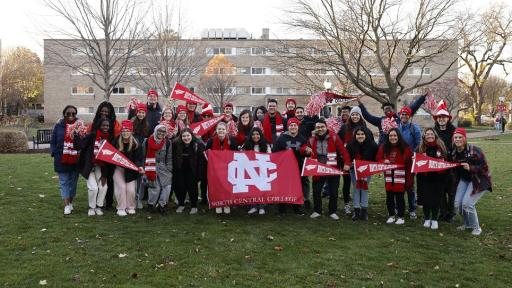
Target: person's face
(360,136)
(272,107)
(355,117)
(182,115)
(430,137)
(245,119)
(104,113)
(404,117)
(126,134)
(70,114)
(255,136)
(387,109)
(459,140)
(161,133)
(141,114)
(290,105)
(393,137)
(228,110)
(191,106)
(221,131)
(260,114)
(167,115)
(293,128)
(442,120)
(186,137)
(345,114)
(207,116)
(105,125)
(299,113)
(152,98)
(320,129)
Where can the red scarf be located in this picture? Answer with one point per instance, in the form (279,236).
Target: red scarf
(332,155)
(225,145)
(267,127)
(190,116)
(100,136)
(69,154)
(150,163)
(241,136)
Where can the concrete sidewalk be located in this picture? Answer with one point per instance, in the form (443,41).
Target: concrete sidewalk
(487,133)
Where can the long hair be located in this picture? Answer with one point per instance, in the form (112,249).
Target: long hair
(249,144)
(239,125)
(140,127)
(262,108)
(401,144)
(350,127)
(440,144)
(132,144)
(367,144)
(111,116)
(179,140)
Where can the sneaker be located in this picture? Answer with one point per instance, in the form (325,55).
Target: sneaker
(261,211)
(121,212)
(334,216)
(162,210)
(427,224)
(91,212)
(71,206)
(400,221)
(130,211)
(98,211)
(476,231)
(67,210)
(462,228)
(193,210)
(391,220)
(227,210)
(315,215)
(434,225)
(347,209)
(218,210)
(180,209)
(412,215)
(252,211)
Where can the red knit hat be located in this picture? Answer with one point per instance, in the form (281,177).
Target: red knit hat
(207,109)
(228,104)
(293,120)
(460,131)
(127,125)
(181,108)
(291,100)
(141,106)
(152,91)
(406,110)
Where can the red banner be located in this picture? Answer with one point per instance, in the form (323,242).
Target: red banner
(201,128)
(422,163)
(110,154)
(180,92)
(365,169)
(312,167)
(248,178)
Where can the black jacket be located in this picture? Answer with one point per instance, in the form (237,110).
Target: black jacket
(286,141)
(446,135)
(85,162)
(307,125)
(136,156)
(197,160)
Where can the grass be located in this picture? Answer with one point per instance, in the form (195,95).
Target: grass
(39,243)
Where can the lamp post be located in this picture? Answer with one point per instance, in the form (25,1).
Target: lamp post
(325,110)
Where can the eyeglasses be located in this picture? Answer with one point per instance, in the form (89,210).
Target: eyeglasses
(70,114)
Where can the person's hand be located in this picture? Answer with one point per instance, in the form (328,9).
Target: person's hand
(308,150)
(103,181)
(141,170)
(386,161)
(429,93)
(346,167)
(358,99)
(465,166)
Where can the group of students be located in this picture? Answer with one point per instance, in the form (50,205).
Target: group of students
(172,159)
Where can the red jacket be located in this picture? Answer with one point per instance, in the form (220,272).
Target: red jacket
(397,180)
(335,150)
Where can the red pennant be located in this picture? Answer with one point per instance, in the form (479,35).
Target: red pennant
(422,163)
(312,167)
(110,154)
(180,92)
(201,128)
(365,169)
(248,178)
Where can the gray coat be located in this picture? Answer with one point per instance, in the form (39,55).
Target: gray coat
(163,162)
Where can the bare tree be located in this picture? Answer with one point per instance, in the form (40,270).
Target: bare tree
(103,36)
(381,49)
(449,90)
(218,82)
(168,57)
(485,38)
(494,88)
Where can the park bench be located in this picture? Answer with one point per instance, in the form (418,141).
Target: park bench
(43,136)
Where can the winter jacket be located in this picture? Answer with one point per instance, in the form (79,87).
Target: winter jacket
(347,135)
(286,141)
(446,135)
(440,176)
(307,125)
(397,180)
(57,146)
(336,156)
(163,161)
(377,121)
(197,160)
(136,156)
(411,133)
(478,168)
(85,162)
(232,145)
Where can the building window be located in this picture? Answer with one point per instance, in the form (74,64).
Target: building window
(118,90)
(243,70)
(80,51)
(84,70)
(243,51)
(243,90)
(82,90)
(85,110)
(258,90)
(217,51)
(258,71)
(417,71)
(120,110)
(284,91)
(258,51)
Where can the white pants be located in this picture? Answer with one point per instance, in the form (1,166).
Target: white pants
(124,191)
(96,191)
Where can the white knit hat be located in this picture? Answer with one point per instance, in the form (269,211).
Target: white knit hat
(355,109)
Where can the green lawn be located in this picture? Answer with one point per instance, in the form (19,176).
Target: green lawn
(39,243)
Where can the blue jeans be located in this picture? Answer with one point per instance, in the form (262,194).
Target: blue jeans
(465,203)
(68,181)
(360,196)
(411,199)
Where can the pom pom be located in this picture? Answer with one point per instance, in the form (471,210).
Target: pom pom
(333,124)
(315,104)
(77,128)
(388,124)
(132,104)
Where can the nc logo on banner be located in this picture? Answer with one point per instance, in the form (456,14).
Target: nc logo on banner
(241,166)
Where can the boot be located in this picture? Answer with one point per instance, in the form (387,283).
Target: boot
(357,214)
(364,214)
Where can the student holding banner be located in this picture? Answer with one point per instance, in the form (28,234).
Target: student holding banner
(394,150)
(431,185)
(361,147)
(125,179)
(474,180)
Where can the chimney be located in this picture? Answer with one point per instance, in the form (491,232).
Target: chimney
(265,34)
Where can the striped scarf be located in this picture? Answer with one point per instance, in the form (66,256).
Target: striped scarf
(69,154)
(150,163)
